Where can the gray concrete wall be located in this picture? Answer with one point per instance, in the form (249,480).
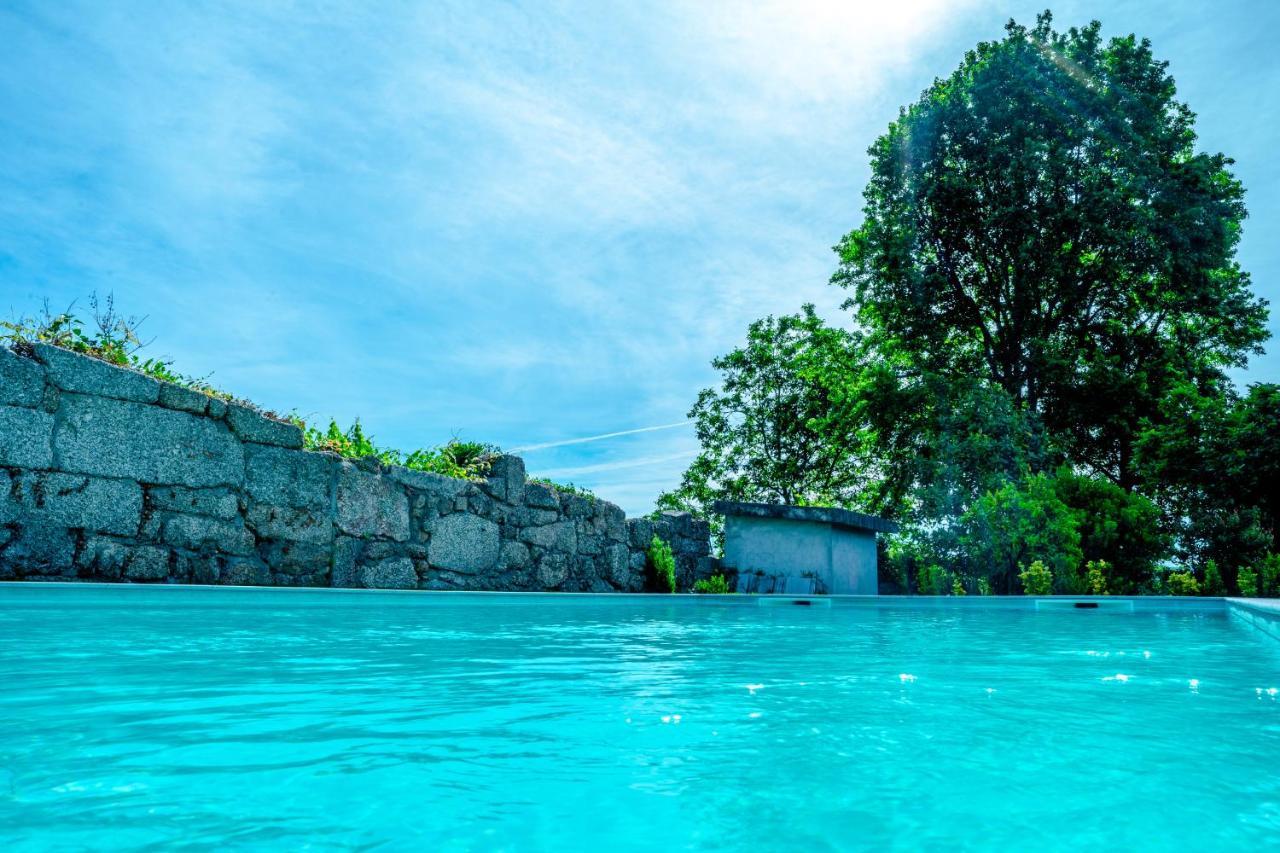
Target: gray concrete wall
(107,474)
(842,561)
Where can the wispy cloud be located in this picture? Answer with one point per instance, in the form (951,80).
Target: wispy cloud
(618,465)
(519,223)
(528,448)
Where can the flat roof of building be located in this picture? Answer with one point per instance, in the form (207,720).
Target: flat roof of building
(825,514)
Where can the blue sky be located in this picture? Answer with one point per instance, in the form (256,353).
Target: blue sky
(515,222)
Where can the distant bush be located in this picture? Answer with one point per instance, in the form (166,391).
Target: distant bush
(1268,572)
(957,588)
(1036,579)
(984,586)
(662,566)
(1095,577)
(932,579)
(1213,584)
(1182,583)
(714,585)
(1247,581)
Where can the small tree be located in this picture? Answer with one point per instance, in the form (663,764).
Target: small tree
(785,423)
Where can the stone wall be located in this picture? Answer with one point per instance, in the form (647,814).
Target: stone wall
(107,474)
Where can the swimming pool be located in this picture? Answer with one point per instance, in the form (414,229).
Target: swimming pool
(214,718)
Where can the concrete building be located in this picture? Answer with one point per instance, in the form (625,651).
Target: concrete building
(801,549)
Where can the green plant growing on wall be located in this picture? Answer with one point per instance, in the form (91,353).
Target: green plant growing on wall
(714,585)
(463,460)
(106,335)
(1183,583)
(1037,579)
(662,566)
(566,488)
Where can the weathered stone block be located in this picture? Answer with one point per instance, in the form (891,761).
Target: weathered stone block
(219,503)
(615,565)
(26,437)
(86,375)
(40,549)
(102,557)
(21,380)
(295,525)
(115,438)
(147,562)
(371,504)
(553,570)
(429,482)
(289,478)
(198,532)
(641,532)
(513,557)
(217,408)
(561,536)
(296,558)
(529,517)
(253,426)
(346,556)
(463,543)
(395,573)
(183,399)
(507,479)
(541,495)
(73,500)
(196,568)
(577,506)
(242,571)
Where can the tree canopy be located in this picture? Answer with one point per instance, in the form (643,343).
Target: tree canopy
(1046,301)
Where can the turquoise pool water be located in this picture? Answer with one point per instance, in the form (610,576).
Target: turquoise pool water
(212,719)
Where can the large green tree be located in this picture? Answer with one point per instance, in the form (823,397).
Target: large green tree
(1041,219)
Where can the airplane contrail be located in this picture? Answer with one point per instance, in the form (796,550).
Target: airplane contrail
(614,466)
(528,447)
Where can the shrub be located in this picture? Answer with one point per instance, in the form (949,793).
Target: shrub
(957,588)
(1095,577)
(1247,581)
(1118,527)
(1004,528)
(984,586)
(1036,579)
(1268,572)
(662,566)
(1183,583)
(714,585)
(1213,584)
(934,580)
